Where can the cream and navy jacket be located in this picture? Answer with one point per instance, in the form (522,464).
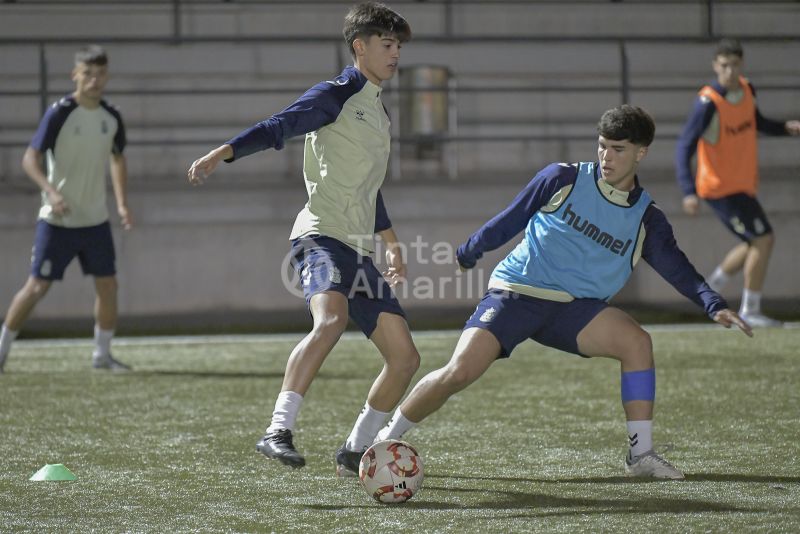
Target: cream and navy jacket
(347,142)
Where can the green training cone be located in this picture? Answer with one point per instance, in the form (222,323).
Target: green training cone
(53,472)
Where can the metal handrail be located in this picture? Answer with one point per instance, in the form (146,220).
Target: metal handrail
(418,38)
(394,2)
(624,87)
(193,91)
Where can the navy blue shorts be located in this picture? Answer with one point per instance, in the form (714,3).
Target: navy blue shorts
(742,215)
(54,247)
(513,318)
(327,264)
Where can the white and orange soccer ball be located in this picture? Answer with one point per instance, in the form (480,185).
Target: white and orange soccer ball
(391,471)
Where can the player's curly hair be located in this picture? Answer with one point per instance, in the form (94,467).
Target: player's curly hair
(374,18)
(627,122)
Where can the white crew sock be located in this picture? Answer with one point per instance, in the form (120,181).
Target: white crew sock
(640,437)
(718,279)
(6,338)
(286,408)
(751,302)
(397,426)
(102,342)
(368,423)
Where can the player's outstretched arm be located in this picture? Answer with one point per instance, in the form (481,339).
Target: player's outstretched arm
(203,167)
(792,127)
(462,268)
(511,221)
(728,318)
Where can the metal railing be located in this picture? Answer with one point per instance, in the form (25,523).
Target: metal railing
(177,37)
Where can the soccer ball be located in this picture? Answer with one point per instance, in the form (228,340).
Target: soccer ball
(391,471)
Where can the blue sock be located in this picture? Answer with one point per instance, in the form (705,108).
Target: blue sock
(638,385)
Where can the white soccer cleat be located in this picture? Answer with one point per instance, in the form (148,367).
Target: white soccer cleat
(651,465)
(759,320)
(109,363)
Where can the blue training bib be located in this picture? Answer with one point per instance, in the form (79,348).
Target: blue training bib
(584,248)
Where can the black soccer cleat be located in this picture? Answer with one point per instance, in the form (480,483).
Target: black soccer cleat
(347,462)
(278,446)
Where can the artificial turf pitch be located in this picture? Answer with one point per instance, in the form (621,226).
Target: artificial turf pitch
(537,444)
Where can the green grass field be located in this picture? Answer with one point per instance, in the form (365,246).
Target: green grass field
(536,445)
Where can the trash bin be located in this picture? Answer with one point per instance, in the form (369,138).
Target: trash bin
(424,109)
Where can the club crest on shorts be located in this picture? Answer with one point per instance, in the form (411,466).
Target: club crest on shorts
(488,315)
(335,275)
(46,268)
(738,225)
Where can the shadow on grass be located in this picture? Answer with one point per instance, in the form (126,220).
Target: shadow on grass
(736,477)
(690,477)
(549,505)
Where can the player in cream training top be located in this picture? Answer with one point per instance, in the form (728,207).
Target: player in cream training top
(77,137)
(347,144)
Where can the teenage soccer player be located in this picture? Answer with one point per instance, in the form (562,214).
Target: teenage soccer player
(78,135)
(586,225)
(347,144)
(722,128)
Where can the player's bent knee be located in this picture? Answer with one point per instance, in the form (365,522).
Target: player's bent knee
(457,377)
(331,324)
(405,363)
(638,348)
(411,362)
(406,371)
(36,288)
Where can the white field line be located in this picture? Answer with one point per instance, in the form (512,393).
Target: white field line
(270,338)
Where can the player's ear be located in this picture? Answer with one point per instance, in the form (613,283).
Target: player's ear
(641,153)
(359,46)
